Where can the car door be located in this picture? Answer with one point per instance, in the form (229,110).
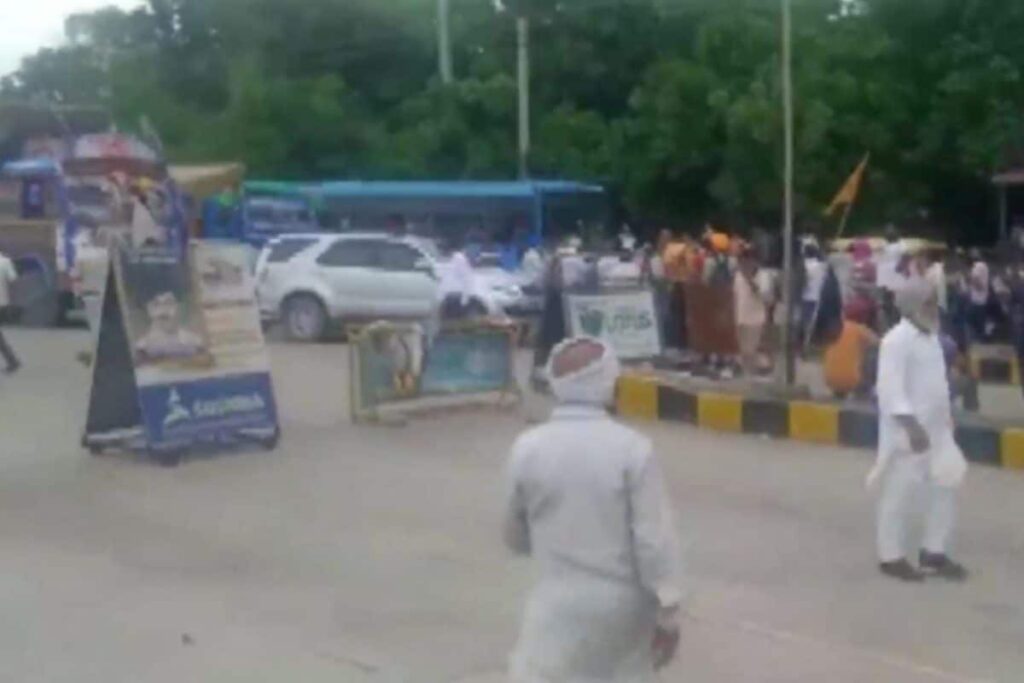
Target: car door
(408,279)
(350,269)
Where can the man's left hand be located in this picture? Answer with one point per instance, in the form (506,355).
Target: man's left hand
(664,645)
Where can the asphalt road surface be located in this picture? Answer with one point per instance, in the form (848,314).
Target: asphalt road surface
(360,553)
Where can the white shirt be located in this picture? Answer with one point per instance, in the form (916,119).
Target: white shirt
(586,500)
(457,277)
(8,274)
(936,276)
(574,270)
(887,275)
(979,283)
(911,381)
(533,267)
(816,270)
(606,267)
(751,309)
(612,271)
(657,267)
(144,226)
(157,344)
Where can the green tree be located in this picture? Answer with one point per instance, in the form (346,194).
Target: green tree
(676,102)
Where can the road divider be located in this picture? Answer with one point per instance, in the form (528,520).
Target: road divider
(649,397)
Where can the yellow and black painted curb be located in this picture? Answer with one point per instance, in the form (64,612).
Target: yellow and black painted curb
(996,370)
(646,397)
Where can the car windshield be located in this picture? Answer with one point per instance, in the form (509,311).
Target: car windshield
(284,249)
(428,247)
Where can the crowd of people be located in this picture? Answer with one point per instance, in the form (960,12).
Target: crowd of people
(720,298)
(980,301)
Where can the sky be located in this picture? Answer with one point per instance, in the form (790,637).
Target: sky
(28,25)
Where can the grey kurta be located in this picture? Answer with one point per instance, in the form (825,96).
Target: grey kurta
(586,500)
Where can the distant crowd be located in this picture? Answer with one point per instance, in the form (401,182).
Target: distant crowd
(843,302)
(719,299)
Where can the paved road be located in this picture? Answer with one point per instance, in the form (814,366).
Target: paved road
(371,553)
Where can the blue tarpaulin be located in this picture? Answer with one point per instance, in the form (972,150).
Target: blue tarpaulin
(30,168)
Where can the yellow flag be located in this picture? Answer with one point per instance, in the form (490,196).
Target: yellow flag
(848,192)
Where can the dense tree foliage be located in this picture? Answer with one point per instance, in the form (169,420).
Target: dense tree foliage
(674,103)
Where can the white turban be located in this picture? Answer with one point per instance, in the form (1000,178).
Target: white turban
(912,302)
(593,383)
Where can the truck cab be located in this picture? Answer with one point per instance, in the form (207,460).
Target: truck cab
(105,189)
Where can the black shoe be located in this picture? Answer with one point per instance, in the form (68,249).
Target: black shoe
(12,368)
(939,564)
(902,570)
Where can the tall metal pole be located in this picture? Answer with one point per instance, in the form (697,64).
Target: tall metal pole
(1004,219)
(788,347)
(523,76)
(444,44)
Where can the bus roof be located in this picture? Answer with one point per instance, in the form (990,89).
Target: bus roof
(281,187)
(425,189)
(464,188)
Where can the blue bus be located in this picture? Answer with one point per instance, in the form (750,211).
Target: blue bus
(486,211)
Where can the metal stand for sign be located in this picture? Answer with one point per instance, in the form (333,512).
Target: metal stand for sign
(124,416)
(372,399)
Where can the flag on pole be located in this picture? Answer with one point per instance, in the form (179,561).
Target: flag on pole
(851,188)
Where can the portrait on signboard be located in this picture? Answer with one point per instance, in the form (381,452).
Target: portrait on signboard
(223,273)
(164,321)
(400,351)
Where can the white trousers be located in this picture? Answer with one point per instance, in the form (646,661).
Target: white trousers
(905,487)
(585,630)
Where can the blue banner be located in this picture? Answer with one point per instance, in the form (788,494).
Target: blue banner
(394,363)
(463,362)
(181,413)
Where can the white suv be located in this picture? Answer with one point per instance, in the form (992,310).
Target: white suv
(309,280)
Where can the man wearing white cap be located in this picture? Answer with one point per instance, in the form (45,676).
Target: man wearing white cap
(586,500)
(916,448)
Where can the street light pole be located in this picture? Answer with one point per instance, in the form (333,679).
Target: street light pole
(787,208)
(523,78)
(444,44)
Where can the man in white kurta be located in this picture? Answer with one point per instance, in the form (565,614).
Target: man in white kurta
(586,500)
(916,449)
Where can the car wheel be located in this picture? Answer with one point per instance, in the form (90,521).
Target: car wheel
(270,442)
(304,318)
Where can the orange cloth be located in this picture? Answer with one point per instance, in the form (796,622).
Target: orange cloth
(719,241)
(683,262)
(674,258)
(844,357)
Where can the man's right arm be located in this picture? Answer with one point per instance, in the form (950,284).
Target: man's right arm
(515,526)
(656,551)
(655,545)
(892,392)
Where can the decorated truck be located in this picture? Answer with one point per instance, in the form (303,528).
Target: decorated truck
(94,191)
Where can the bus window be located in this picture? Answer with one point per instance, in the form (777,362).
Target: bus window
(276,216)
(457,225)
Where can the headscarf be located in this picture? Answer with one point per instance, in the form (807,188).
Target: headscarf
(912,301)
(860,250)
(588,381)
